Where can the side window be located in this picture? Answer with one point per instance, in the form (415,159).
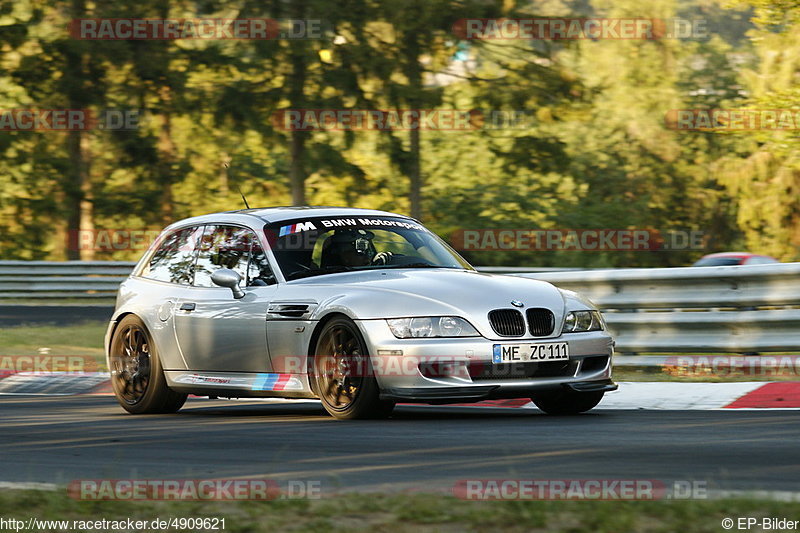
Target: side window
(235,248)
(221,247)
(759,260)
(258,271)
(174,259)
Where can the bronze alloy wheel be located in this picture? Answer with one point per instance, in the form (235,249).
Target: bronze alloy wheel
(136,375)
(130,363)
(342,374)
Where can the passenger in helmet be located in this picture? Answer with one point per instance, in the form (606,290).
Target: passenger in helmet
(352,248)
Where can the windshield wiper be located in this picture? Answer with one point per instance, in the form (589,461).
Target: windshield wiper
(298,274)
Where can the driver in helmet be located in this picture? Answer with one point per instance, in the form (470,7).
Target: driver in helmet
(352,247)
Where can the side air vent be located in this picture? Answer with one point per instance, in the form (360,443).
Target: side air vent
(289,310)
(507,322)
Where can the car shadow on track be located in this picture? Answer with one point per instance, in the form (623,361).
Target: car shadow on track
(402,412)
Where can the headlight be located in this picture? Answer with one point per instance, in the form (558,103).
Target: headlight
(578,321)
(431,326)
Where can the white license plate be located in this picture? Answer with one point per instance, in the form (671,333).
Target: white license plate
(530,353)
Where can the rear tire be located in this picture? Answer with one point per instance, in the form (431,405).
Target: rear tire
(342,376)
(567,402)
(136,374)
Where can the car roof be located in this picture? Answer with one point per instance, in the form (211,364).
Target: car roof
(729,254)
(271,215)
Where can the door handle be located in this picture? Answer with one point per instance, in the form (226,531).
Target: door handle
(188,306)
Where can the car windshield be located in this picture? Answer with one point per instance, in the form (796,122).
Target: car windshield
(324,245)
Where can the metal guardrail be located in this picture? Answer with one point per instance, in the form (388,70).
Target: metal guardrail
(735,309)
(730,309)
(65,279)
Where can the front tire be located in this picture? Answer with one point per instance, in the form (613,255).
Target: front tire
(136,374)
(342,376)
(567,402)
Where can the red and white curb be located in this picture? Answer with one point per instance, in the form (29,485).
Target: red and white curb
(661,395)
(702,396)
(53,383)
(677,396)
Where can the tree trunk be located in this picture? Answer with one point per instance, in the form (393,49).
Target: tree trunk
(414,75)
(73,193)
(297,100)
(414,175)
(76,180)
(297,170)
(166,152)
(87,201)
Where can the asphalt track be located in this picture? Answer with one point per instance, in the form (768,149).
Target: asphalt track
(60,439)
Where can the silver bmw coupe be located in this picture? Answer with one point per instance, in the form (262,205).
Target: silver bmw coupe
(358,308)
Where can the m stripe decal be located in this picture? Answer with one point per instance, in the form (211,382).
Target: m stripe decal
(282,381)
(271,381)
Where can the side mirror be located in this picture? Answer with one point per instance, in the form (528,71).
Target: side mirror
(225,277)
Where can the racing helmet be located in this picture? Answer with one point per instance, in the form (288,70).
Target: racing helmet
(348,247)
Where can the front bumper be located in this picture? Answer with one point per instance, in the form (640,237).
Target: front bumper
(461,369)
(477,393)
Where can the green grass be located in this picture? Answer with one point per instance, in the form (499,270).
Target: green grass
(78,339)
(414,513)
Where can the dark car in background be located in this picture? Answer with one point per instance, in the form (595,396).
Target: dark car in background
(734,258)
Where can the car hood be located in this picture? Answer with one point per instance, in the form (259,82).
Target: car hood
(429,292)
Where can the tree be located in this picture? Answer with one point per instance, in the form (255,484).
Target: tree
(397,51)
(763,176)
